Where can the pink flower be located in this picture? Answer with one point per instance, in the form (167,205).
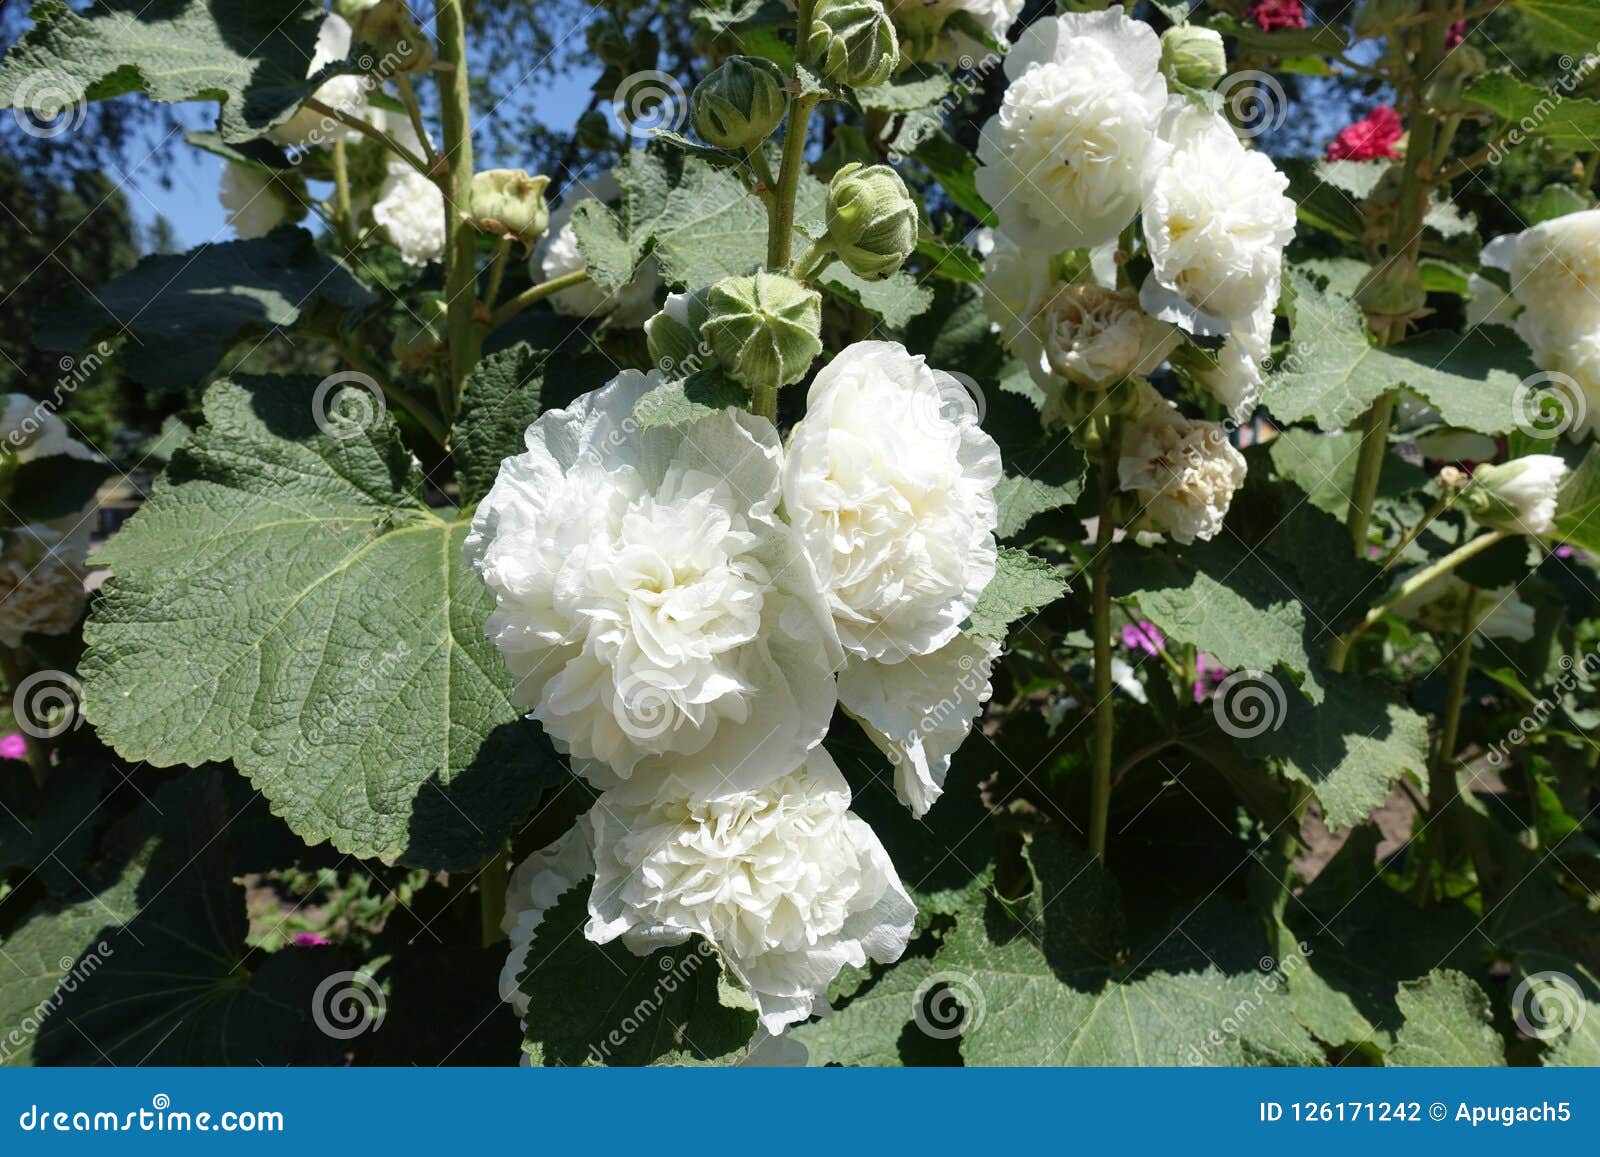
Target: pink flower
(1271,15)
(1368,139)
(13,746)
(1210,673)
(1143,637)
(1456,34)
(310,940)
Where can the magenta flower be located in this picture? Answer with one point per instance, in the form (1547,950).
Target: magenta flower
(1210,673)
(1456,34)
(310,940)
(13,746)
(1143,637)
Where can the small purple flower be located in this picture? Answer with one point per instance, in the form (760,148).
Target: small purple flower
(310,940)
(1562,551)
(13,746)
(1143,637)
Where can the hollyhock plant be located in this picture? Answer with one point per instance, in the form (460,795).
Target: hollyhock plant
(1371,138)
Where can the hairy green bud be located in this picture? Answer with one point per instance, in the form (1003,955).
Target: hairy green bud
(872,219)
(739,104)
(853,42)
(673,335)
(1193,56)
(765,330)
(394,35)
(510,203)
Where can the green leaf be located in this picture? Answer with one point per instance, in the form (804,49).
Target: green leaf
(600,1004)
(1332,372)
(875,1026)
(500,401)
(150,966)
(1447,1024)
(1569,26)
(1054,988)
(1022,584)
(704,225)
(610,258)
(1578,504)
(1324,466)
(676,403)
(955,168)
(251,55)
(181,312)
(287,601)
(914,87)
(1564,120)
(896,299)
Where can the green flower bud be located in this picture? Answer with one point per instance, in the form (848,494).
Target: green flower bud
(1193,56)
(389,28)
(509,203)
(739,104)
(872,219)
(765,330)
(853,42)
(1519,496)
(673,335)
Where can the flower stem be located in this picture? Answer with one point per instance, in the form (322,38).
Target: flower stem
(425,417)
(497,272)
(1423,523)
(341,193)
(408,97)
(1369,466)
(371,133)
(461,271)
(536,294)
(1104,719)
(814,260)
(1421,579)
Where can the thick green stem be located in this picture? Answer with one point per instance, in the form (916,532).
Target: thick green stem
(341,193)
(1374,446)
(1104,718)
(461,272)
(536,294)
(780,231)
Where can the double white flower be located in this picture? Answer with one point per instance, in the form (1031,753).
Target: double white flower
(1183,471)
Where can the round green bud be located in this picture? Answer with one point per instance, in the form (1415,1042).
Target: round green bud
(1193,56)
(509,203)
(389,28)
(872,219)
(765,330)
(739,104)
(673,335)
(853,42)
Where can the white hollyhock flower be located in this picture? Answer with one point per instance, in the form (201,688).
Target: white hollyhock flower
(1554,272)
(1216,220)
(29,429)
(1093,338)
(411,210)
(1065,158)
(659,618)
(557,254)
(255,202)
(787,884)
(920,710)
(890,482)
(1183,470)
(1519,495)
(41,577)
(1239,375)
(348,94)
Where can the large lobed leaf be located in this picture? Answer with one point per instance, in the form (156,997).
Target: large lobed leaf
(287,601)
(251,55)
